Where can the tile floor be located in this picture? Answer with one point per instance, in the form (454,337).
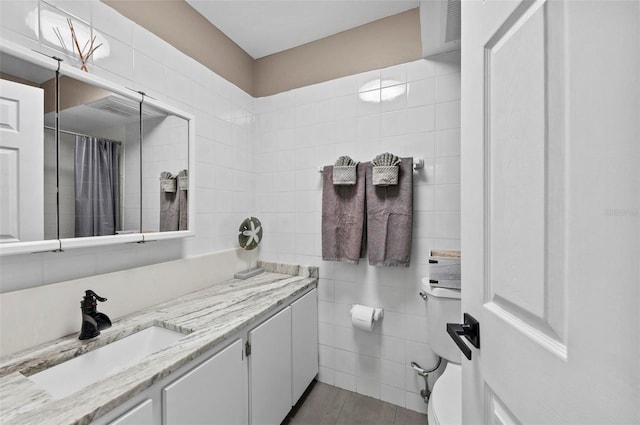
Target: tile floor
(324,404)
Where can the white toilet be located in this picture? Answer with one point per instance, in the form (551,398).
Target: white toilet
(445,404)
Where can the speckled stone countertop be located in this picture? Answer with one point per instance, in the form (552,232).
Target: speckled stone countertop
(208,317)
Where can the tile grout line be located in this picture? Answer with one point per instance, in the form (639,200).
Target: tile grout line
(349,395)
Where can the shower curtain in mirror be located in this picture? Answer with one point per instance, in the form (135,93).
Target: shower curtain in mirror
(97,190)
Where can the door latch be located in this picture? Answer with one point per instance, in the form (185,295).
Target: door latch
(471,331)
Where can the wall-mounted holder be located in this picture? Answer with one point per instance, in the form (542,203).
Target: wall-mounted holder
(365,317)
(418,164)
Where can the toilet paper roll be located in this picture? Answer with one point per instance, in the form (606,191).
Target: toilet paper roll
(364,317)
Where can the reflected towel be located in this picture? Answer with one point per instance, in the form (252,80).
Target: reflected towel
(169,203)
(390,218)
(183,202)
(169,211)
(343,218)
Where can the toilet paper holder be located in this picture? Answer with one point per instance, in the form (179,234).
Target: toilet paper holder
(365,317)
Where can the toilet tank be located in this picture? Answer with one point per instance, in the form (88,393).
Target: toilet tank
(443,306)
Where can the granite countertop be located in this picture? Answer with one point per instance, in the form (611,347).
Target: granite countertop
(208,317)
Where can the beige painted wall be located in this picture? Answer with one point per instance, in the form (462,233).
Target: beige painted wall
(388,41)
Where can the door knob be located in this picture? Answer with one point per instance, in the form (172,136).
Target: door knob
(471,331)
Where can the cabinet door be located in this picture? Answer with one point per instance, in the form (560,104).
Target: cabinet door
(142,414)
(304,331)
(270,369)
(212,393)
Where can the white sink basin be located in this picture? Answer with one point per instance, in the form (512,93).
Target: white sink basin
(75,374)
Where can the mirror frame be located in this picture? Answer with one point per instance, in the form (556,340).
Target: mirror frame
(57,245)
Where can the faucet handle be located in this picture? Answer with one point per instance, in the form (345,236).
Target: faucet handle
(90,294)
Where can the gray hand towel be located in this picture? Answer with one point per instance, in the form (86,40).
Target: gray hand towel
(343,218)
(390,218)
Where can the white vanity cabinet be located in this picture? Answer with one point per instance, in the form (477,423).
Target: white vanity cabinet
(229,386)
(142,414)
(304,340)
(212,393)
(270,369)
(283,360)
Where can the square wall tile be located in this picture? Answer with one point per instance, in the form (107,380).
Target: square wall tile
(108,21)
(368,102)
(420,69)
(393,75)
(421,92)
(368,387)
(447,142)
(447,198)
(326,375)
(448,87)
(392,373)
(345,361)
(325,356)
(148,72)
(345,380)
(447,115)
(344,107)
(325,311)
(420,119)
(447,225)
(392,123)
(20,17)
(393,348)
(447,170)
(392,395)
(326,334)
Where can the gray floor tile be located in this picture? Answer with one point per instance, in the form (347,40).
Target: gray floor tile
(324,404)
(363,410)
(409,417)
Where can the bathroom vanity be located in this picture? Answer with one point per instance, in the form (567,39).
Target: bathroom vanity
(248,352)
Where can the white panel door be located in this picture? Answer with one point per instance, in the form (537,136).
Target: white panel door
(21,162)
(270,370)
(304,340)
(213,393)
(550,210)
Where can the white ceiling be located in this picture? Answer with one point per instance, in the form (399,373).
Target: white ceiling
(264,27)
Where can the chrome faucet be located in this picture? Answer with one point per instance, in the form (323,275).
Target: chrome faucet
(92,320)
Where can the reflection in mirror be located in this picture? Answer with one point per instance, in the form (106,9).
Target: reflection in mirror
(165,171)
(99,170)
(23,190)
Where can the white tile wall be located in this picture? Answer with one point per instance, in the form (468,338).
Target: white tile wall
(330,120)
(224,141)
(277,144)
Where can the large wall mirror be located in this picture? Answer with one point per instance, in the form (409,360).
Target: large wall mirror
(165,160)
(96,164)
(24,189)
(99,167)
